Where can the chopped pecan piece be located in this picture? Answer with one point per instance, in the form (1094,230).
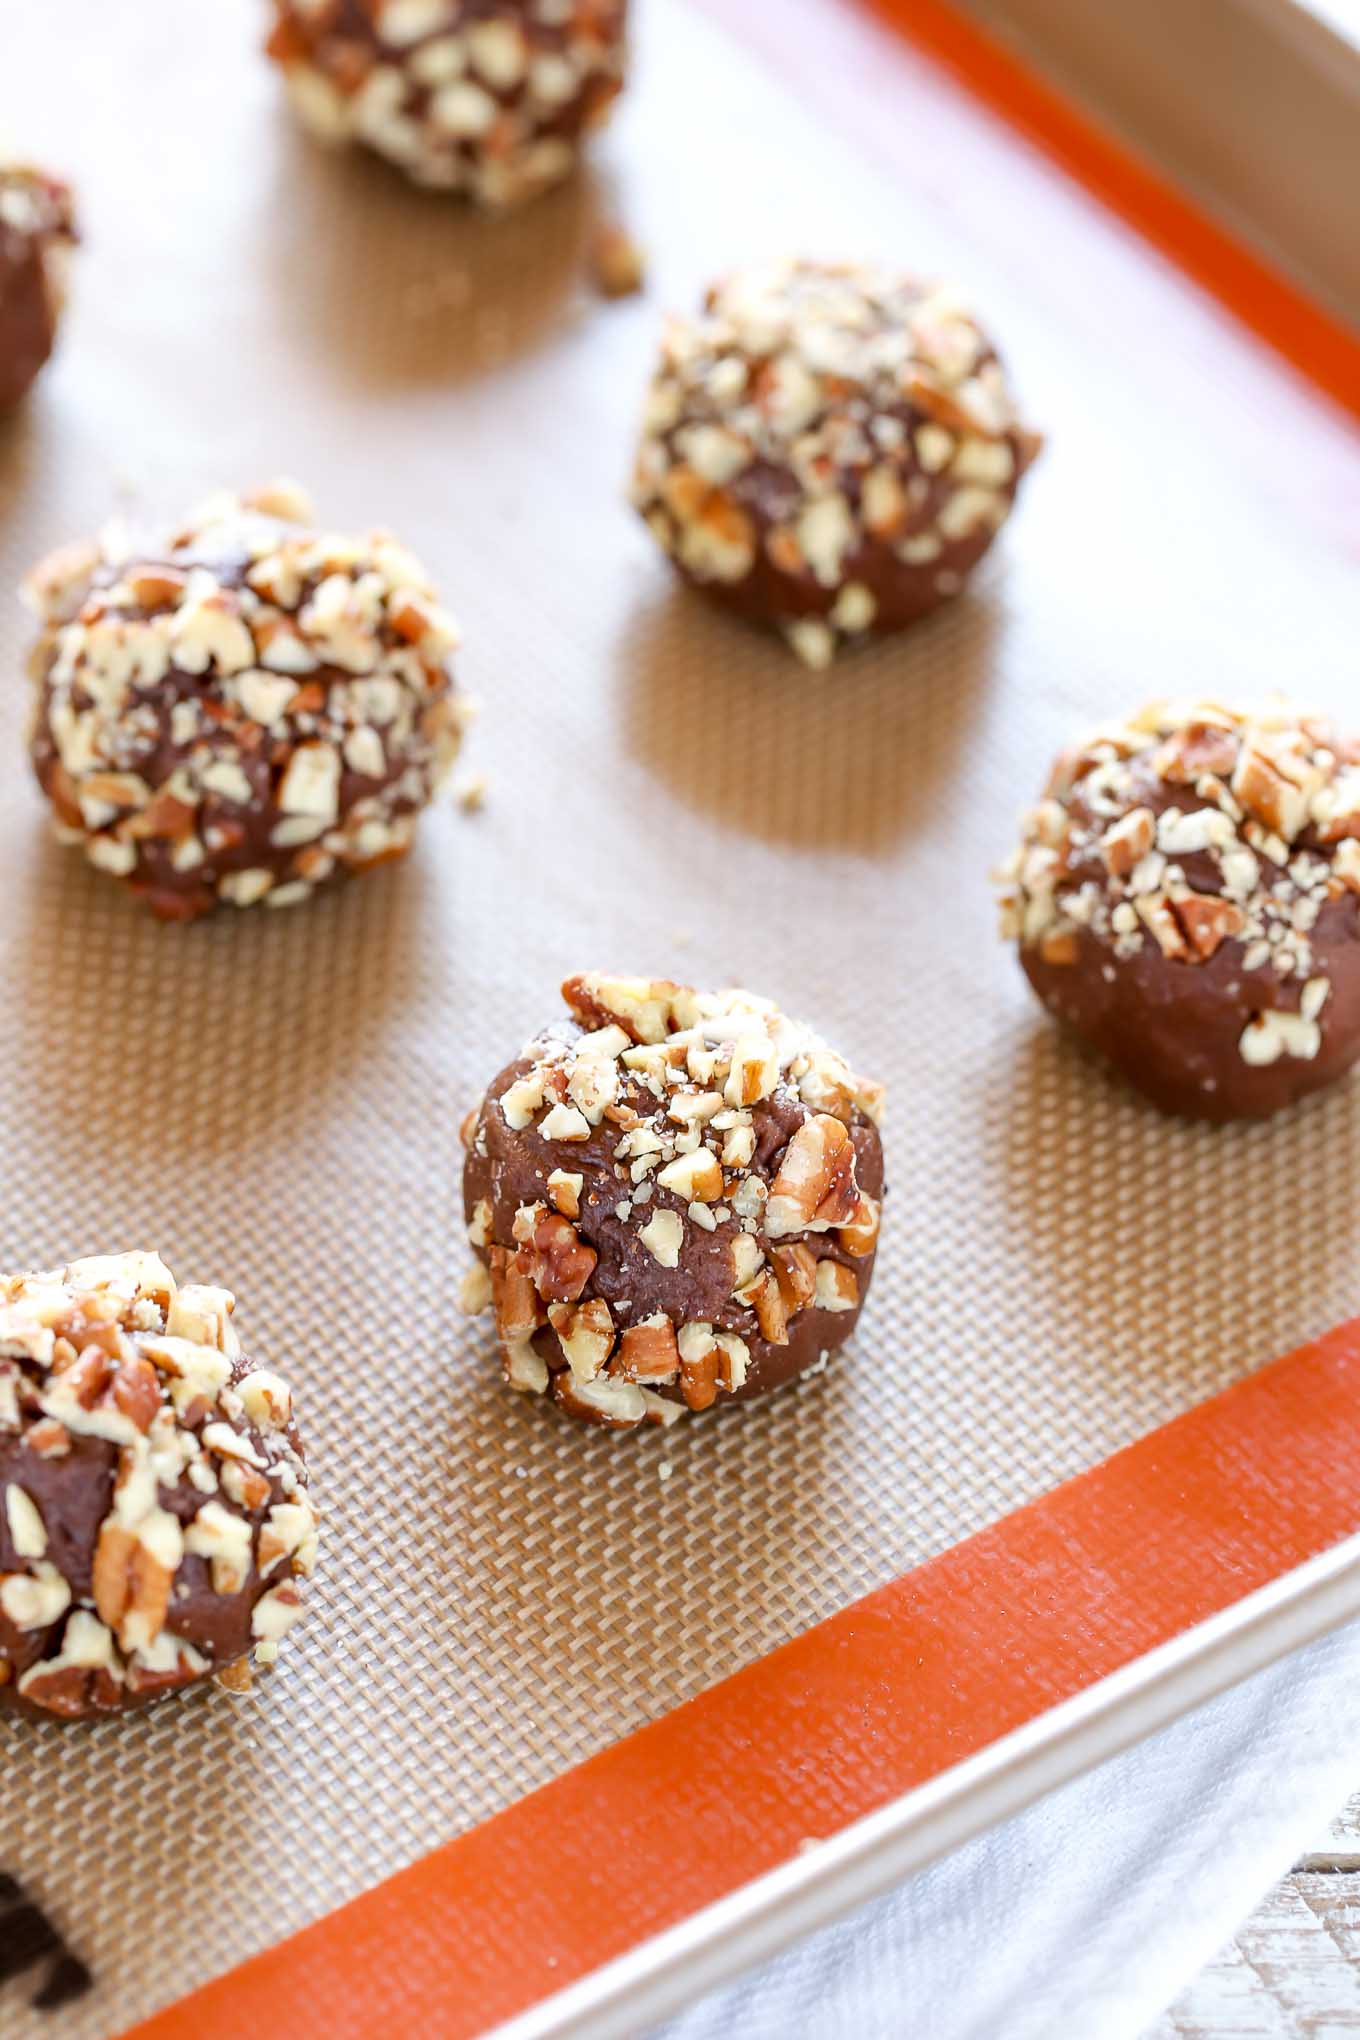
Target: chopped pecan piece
(1059,947)
(555,1259)
(1154,911)
(795,1270)
(131,1588)
(49,1439)
(156,587)
(164,819)
(1197,748)
(88,1376)
(1266,792)
(1126,840)
(616,262)
(71,1691)
(474,1291)
(859,1235)
(614,1404)
(514,1298)
(564,1188)
(62,794)
(137,1391)
(144,1680)
(697,1176)
(1206,920)
(764,1296)
(647,1351)
(235,1677)
(1346,867)
(754,1071)
(941,405)
(814,1187)
(837,1287)
(244,1485)
(643,1007)
(585,1334)
(699,1365)
(734,1359)
(523,1367)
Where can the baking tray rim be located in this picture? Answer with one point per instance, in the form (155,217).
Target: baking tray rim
(762,1919)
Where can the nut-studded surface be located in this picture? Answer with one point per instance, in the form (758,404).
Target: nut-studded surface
(829,449)
(490,98)
(1186,896)
(674,1198)
(499,1592)
(154,1517)
(37,230)
(244,711)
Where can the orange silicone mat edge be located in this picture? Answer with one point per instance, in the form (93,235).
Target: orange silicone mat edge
(860,1709)
(1292,323)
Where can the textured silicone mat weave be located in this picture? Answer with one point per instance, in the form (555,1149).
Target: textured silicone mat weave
(273,1101)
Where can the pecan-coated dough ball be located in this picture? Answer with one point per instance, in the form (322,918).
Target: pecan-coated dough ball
(674,1196)
(37,231)
(489,98)
(830,450)
(155,1518)
(242,710)
(1187,897)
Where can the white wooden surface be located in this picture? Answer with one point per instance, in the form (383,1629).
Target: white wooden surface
(1293,1972)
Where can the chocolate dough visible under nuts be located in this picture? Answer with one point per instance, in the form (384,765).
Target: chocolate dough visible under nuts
(154,1518)
(489,98)
(1186,897)
(828,449)
(243,710)
(674,1199)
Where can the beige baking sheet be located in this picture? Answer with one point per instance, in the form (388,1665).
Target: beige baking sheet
(273,1100)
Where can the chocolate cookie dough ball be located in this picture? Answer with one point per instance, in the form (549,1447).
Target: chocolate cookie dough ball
(489,98)
(155,1519)
(37,231)
(242,710)
(830,450)
(674,1196)
(1187,898)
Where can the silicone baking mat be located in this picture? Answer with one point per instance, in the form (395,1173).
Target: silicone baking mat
(272,1100)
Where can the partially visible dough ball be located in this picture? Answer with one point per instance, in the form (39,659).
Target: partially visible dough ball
(1186,897)
(489,98)
(37,232)
(155,1520)
(829,450)
(244,709)
(674,1197)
